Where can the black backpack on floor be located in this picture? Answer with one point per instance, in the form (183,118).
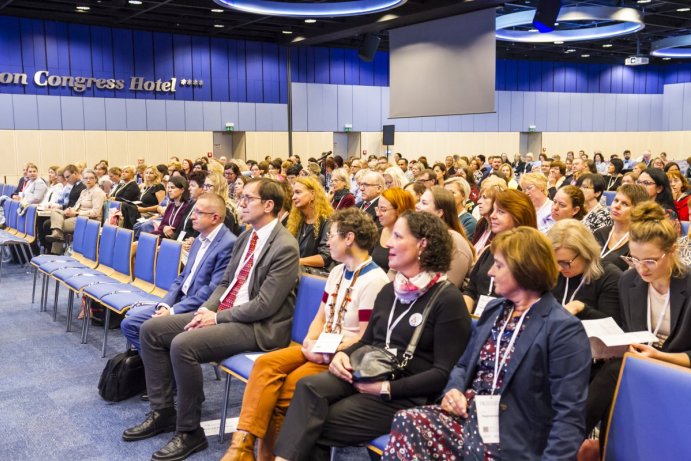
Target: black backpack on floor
(123,377)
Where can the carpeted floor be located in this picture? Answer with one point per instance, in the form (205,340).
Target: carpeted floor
(49,404)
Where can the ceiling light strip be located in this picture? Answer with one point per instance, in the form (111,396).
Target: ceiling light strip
(311,10)
(672,47)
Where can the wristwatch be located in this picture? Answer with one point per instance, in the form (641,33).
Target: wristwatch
(385,392)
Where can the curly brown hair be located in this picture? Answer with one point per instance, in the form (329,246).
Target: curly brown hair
(359,223)
(436,256)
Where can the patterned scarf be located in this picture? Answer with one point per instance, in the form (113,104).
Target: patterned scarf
(409,289)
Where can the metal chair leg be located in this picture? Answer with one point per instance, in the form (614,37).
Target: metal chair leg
(70,310)
(105,333)
(33,291)
(218,373)
(55,301)
(224,411)
(41,307)
(87,320)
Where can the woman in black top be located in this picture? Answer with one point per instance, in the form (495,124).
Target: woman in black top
(614,239)
(325,406)
(309,221)
(126,189)
(392,203)
(587,287)
(152,192)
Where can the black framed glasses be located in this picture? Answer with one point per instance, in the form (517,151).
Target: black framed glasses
(566,265)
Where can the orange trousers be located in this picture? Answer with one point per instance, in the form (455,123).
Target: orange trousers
(271,387)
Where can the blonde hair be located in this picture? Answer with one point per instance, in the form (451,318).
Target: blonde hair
(493,181)
(649,223)
(343,175)
(215,166)
(397,176)
(534,179)
(157,174)
(573,235)
(322,207)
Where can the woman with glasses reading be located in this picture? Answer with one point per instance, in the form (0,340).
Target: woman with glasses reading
(656,297)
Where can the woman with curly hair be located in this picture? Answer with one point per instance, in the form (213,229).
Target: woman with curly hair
(309,221)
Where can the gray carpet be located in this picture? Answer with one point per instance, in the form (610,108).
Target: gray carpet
(49,403)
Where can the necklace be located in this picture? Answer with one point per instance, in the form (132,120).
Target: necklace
(330,327)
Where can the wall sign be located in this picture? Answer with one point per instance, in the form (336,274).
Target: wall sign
(79,84)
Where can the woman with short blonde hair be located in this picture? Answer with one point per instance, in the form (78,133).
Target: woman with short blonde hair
(535,187)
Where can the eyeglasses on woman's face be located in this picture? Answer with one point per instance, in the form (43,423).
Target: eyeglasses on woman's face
(649,263)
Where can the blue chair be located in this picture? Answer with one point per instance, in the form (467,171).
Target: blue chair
(650,415)
(8,189)
(609,197)
(119,300)
(15,232)
(309,295)
(684,228)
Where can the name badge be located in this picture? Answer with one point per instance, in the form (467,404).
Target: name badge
(392,350)
(181,236)
(327,343)
(487,407)
(482,304)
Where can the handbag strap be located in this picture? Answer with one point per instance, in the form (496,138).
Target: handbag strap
(412,345)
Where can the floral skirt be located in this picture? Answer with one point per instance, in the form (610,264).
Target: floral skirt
(430,433)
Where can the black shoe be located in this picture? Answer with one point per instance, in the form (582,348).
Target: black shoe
(182,445)
(156,422)
(144,397)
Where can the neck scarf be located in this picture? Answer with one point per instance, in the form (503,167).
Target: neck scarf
(409,289)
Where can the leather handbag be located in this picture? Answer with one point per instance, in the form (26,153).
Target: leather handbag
(374,363)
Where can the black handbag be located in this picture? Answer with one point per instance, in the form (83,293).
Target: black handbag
(123,377)
(374,363)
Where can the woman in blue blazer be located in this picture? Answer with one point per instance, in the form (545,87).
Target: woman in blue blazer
(535,382)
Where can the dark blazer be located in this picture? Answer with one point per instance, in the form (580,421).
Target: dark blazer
(542,407)
(634,293)
(208,274)
(272,289)
(129,192)
(372,209)
(74,194)
(20,186)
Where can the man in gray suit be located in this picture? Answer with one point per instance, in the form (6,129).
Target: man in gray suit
(251,309)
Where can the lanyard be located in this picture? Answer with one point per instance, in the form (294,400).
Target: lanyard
(389,326)
(662,314)
(605,249)
(499,365)
(334,320)
(566,291)
(491,285)
(176,211)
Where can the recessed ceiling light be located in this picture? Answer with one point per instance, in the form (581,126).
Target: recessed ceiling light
(682,10)
(219,26)
(585,55)
(607,45)
(310,21)
(556,23)
(532,30)
(83,8)
(558,43)
(134,2)
(666,59)
(570,50)
(216,10)
(644,1)
(287,32)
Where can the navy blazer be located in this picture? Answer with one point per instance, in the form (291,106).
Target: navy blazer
(634,293)
(542,407)
(208,275)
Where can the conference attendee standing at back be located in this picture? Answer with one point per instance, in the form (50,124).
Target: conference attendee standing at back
(207,261)
(250,310)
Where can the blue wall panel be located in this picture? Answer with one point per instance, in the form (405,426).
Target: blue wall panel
(212,116)
(25,111)
(94,113)
(116,114)
(49,115)
(194,116)
(155,115)
(270,73)
(102,58)
(220,76)
(283,76)
(163,61)
(254,71)
(72,112)
(175,115)
(123,58)
(136,115)
(201,68)
(11,56)
(248,117)
(143,58)
(182,55)
(7,112)
(337,66)
(33,49)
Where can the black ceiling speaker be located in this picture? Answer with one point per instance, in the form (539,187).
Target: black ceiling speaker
(368,48)
(546,15)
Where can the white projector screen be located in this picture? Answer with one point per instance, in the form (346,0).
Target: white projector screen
(443,67)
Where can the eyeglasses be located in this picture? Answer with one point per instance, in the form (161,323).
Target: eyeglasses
(650,264)
(566,265)
(332,234)
(645,183)
(248,198)
(207,186)
(383,209)
(364,184)
(198,212)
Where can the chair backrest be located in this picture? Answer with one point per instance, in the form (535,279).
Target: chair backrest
(90,241)
(309,297)
(11,215)
(684,228)
(21,221)
(6,208)
(9,188)
(122,254)
(31,223)
(650,414)
(167,264)
(609,196)
(145,261)
(78,236)
(106,247)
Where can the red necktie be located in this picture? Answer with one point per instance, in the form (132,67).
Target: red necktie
(229,300)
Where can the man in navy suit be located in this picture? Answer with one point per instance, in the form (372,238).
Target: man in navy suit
(208,258)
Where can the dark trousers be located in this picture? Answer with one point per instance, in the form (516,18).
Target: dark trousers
(600,396)
(329,412)
(172,355)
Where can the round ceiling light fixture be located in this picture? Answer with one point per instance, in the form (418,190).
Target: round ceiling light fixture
(311,10)
(672,47)
(617,21)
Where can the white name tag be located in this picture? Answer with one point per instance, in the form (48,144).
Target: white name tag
(487,407)
(327,343)
(181,236)
(482,304)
